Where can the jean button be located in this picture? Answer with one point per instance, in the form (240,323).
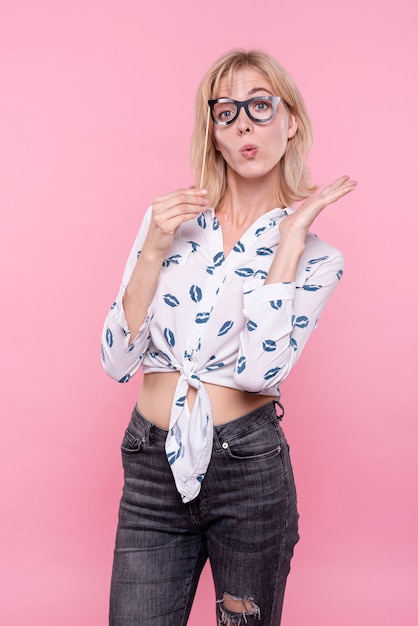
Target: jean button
(225,445)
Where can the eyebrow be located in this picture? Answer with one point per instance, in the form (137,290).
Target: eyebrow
(253,91)
(257,89)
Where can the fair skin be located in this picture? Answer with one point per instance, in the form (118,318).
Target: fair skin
(252,153)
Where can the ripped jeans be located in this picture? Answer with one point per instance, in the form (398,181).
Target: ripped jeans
(244,521)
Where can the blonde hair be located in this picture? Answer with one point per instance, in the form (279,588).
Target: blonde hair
(294,180)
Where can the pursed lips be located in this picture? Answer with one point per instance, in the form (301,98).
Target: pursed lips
(249,151)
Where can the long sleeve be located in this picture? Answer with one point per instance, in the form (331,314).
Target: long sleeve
(281,317)
(121,360)
(213,320)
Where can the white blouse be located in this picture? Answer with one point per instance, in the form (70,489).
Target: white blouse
(213,320)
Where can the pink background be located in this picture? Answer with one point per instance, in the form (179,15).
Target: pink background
(81,158)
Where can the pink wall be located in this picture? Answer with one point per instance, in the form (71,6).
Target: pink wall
(79,162)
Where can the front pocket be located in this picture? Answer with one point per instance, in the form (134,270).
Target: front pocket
(130,443)
(260,443)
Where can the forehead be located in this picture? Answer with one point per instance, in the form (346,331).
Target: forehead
(242,84)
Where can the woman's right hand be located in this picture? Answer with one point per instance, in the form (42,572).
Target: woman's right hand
(168,213)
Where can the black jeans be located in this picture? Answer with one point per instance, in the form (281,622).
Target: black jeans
(244,520)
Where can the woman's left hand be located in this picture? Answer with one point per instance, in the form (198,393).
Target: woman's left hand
(298,223)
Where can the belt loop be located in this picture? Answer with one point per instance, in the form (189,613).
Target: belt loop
(146,437)
(216,442)
(279,404)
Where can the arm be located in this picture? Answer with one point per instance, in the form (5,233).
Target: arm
(125,336)
(282,314)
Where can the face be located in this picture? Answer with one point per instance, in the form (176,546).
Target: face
(251,149)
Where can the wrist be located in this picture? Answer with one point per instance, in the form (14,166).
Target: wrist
(285,262)
(292,244)
(151,254)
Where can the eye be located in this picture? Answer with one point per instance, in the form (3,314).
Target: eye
(262,105)
(224,115)
(262,108)
(224,111)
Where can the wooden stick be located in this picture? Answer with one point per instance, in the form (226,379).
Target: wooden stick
(205,148)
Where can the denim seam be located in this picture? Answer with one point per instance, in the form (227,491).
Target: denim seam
(250,430)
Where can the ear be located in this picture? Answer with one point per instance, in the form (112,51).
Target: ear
(293,127)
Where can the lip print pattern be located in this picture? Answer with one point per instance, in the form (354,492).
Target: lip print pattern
(171,300)
(264,251)
(109,337)
(202,318)
(218,259)
(172,259)
(225,328)
(241,365)
(245,272)
(195,293)
(271,373)
(314,261)
(239,247)
(269,345)
(169,337)
(302,321)
(214,317)
(201,220)
(311,287)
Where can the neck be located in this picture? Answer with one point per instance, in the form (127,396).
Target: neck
(247,199)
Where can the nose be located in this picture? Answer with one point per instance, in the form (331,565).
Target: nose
(243,123)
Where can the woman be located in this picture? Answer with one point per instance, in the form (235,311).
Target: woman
(221,292)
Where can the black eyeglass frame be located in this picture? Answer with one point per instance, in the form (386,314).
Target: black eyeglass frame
(239,104)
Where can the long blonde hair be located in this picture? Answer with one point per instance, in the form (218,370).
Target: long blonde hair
(294,180)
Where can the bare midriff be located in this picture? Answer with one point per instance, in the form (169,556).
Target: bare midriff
(157,391)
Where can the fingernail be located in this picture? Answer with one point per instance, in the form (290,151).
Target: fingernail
(203,191)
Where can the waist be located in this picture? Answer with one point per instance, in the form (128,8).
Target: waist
(231,430)
(157,391)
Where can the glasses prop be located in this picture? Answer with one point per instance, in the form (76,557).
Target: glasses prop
(261,109)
